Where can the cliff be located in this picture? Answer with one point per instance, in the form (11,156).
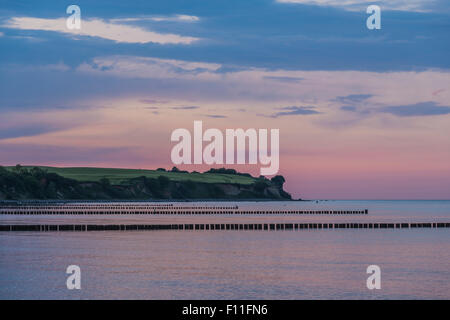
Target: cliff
(26,183)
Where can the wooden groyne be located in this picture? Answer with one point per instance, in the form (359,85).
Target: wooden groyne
(227,226)
(125,209)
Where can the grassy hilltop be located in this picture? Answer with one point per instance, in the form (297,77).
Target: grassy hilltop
(41,182)
(121,176)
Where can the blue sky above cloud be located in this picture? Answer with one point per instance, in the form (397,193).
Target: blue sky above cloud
(263,34)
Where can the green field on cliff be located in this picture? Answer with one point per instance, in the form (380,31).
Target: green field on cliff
(119,176)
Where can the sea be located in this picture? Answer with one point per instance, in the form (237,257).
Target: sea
(234,264)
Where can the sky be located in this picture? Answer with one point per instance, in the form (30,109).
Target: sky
(363,114)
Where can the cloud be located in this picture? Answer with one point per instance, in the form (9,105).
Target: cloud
(294,110)
(172,18)
(153,101)
(1,34)
(150,81)
(353,98)
(177,18)
(237,43)
(185,108)
(284,79)
(98,28)
(428,108)
(353,5)
(353,102)
(349,108)
(204,79)
(215,116)
(147,67)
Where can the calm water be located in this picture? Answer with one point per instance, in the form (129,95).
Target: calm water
(316,264)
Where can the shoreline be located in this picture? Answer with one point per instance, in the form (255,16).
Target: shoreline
(151,200)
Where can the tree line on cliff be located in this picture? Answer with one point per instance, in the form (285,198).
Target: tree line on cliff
(36,183)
